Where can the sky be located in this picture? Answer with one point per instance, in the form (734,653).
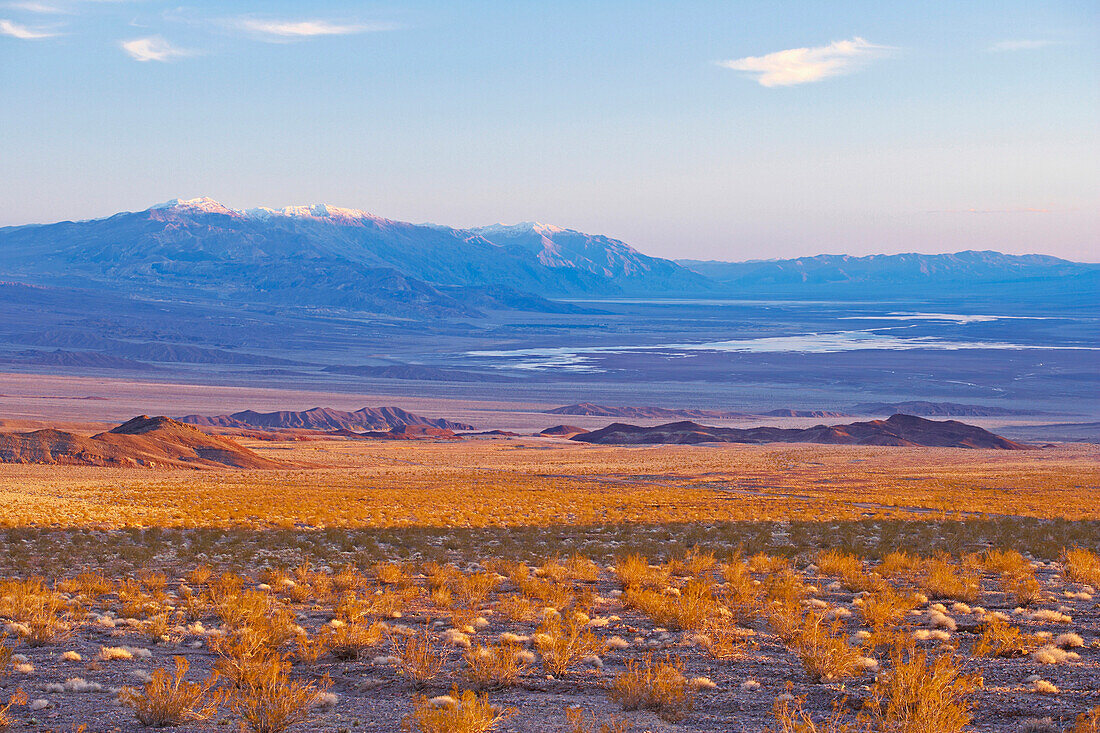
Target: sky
(709,130)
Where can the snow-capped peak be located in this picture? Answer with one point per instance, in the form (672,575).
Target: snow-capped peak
(204,204)
(522,228)
(208,205)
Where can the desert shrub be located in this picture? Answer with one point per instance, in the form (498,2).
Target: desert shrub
(695,562)
(581,722)
(199,575)
(17,699)
(1081,565)
(467,712)
(581,568)
(660,687)
(635,572)
(41,615)
(1001,639)
(849,569)
(945,579)
(762,562)
(917,695)
(790,716)
(352,640)
(419,657)
(242,655)
(391,573)
(900,564)
(884,611)
(270,702)
(1088,722)
(786,587)
(562,642)
(1023,588)
(823,649)
(689,609)
(494,666)
(723,640)
(6,654)
(742,593)
(309,649)
(515,607)
(168,699)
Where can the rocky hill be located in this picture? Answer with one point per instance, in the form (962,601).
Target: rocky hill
(898,430)
(143,441)
(326,418)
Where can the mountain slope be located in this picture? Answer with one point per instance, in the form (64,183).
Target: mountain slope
(142,441)
(326,418)
(324,256)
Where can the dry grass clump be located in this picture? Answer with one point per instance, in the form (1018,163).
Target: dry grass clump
(693,563)
(1088,722)
(580,722)
(419,657)
(1001,639)
(18,698)
(884,611)
(900,564)
(635,573)
(515,607)
(946,579)
(742,593)
(849,569)
(723,640)
(660,687)
(689,608)
(168,699)
(467,712)
(564,641)
(269,701)
(918,695)
(494,666)
(1082,566)
(790,716)
(39,615)
(824,650)
(348,642)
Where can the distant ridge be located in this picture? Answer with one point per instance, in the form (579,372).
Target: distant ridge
(644,413)
(142,441)
(936,409)
(898,430)
(327,419)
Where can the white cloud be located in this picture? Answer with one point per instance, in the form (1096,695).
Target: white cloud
(15,30)
(153,48)
(289,30)
(1020,45)
(33,7)
(801,65)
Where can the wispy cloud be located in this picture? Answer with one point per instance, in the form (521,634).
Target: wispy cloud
(15,30)
(153,48)
(801,65)
(32,7)
(291,30)
(1021,45)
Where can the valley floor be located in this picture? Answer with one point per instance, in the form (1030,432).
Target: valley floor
(543,572)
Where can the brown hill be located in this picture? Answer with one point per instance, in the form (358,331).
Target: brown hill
(325,418)
(642,413)
(898,430)
(142,441)
(567,431)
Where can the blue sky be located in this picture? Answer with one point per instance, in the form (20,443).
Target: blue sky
(725,130)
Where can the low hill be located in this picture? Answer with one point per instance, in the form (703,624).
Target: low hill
(562,431)
(326,418)
(898,430)
(142,441)
(641,413)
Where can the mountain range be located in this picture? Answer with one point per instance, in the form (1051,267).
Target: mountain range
(876,276)
(324,256)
